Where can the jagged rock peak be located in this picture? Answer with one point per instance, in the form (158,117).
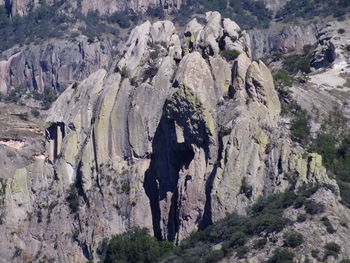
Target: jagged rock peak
(182,130)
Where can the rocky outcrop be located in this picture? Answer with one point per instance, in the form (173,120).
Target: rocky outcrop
(283,38)
(178,135)
(55,64)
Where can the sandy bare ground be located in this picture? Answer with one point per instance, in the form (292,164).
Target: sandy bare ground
(13,144)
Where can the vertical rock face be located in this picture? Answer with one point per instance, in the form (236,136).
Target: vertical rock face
(172,140)
(289,38)
(55,64)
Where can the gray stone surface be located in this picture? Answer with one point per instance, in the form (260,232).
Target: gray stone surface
(165,143)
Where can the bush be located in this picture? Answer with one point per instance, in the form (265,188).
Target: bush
(341,30)
(237,240)
(157,12)
(35,113)
(332,249)
(73,199)
(16,94)
(313,208)
(312,9)
(136,246)
(328,224)
(293,239)
(301,218)
(314,253)
(230,55)
(282,77)
(214,256)
(242,251)
(282,255)
(259,243)
(300,128)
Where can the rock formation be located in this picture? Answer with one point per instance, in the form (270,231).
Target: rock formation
(56,63)
(178,133)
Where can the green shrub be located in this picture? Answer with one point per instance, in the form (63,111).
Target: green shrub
(293,239)
(230,55)
(312,9)
(214,256)
(313,208)
(282,255)
(259,243)
(300,128)
(16,94)
(282,77)
(332,249)
(237,240)
(301,218)
(315,253)
(325,144)
(157,12)
(242,251)
(136,246)
(73,199)
(35,113)
(328,224)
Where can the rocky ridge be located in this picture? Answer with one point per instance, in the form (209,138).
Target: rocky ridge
(184,129)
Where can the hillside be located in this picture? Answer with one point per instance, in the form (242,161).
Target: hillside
(193,131)
(184,131)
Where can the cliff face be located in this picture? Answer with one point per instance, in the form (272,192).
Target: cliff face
(53,64)
(283,38)
(184,129)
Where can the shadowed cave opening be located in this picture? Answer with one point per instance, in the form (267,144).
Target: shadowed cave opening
(168,158)
(54,135)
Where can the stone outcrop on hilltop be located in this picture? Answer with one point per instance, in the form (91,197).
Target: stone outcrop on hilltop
(183,130)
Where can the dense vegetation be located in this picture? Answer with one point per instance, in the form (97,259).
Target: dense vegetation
(42,23)
(49,21)
(333,143)
(247,13)
(308,9)
(20,94)
(232,233)
(332,140)
(136,246)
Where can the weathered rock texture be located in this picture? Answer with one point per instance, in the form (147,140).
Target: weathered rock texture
(172,140)
(283,38)
(54,64)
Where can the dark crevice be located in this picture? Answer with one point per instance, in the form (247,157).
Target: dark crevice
(52,135)
(168,159)
(234,80)
(279,165)
(207,215)
(79,185)
(96,161)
